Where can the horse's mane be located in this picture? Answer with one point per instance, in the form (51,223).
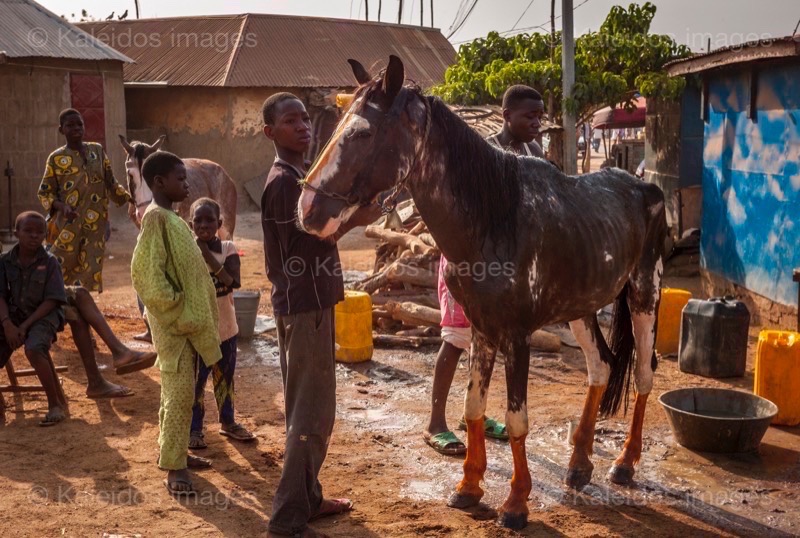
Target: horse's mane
(484,180)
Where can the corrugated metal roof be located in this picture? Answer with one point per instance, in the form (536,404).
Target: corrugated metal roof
(270,50)
(764,49)
(27,30)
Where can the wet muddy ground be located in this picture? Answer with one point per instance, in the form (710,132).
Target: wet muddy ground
(96,473)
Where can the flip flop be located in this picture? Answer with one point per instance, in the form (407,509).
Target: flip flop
(238,432)
(446,443)
(492,428)
(180,492)
(334,507)
(197,441)
(146,360)
(118,391)
(49,420)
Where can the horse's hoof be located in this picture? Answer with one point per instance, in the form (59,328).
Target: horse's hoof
(578,478)
(513,521)
(461,500)
(621,474)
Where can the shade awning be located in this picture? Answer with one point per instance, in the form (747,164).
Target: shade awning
(619,118)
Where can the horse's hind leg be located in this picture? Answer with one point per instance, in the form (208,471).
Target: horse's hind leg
(514,512)
(643,300)
(481,362)
(580,469)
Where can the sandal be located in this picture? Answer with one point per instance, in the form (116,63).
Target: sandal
(236,431)
(197,441)
(180,492)
(492,428)
(196,462)
(445,443)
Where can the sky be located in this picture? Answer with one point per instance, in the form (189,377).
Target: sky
(690,22)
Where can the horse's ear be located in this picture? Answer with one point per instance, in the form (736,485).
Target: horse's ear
(358,70)
(394,77)
(125,144)
(158,143)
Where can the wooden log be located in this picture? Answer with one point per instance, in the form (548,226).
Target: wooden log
(420,331)
(398,273)
(418,228)
(545,341)
(387,324)
(414,314)
(415,295)
(397,238)
(406,341)
(427,239)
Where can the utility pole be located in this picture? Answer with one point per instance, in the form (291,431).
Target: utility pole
(422,12)
(400,12)
(431,13)
(136,3)
(380,5)
(568,68)
(367,8)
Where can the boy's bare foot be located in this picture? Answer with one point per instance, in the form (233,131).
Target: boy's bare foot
(106,389)
(132,361)
(179,482)
(144,337)
(53,417)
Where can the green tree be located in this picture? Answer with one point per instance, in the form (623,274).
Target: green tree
(611,65)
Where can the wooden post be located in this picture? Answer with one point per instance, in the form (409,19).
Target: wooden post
(568,68)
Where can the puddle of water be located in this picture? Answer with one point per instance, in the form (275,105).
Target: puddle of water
(257,351)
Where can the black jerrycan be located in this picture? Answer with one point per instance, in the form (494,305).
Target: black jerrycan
(713,340)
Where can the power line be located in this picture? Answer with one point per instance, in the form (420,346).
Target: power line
(796,27)
(523,14)
(472,7)
(459,12)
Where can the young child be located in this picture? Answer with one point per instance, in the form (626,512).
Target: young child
(304,291)
(223,264)
(170,275)
(75,189)
(31,297)
(523,109)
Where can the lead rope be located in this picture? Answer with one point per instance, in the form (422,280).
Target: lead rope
(388,204)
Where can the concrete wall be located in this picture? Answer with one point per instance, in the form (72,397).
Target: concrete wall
(223,125)
(32,93)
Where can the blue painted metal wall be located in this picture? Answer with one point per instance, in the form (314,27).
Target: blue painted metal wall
(751,181)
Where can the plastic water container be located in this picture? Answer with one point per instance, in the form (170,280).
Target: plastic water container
(669,319)
(245,303)
(714,337)
(354,327)
(776,373)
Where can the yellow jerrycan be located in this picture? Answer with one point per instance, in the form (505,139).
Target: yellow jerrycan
(776,373)
(354,327)
(669,319)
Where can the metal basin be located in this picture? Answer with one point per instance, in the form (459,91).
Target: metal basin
(718,420)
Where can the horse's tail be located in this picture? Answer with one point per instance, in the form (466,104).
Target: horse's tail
(619,357)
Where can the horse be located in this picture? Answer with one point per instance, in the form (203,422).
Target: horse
(205,179)
(527,246)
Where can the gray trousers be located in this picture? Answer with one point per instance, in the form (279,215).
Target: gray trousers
(306,346)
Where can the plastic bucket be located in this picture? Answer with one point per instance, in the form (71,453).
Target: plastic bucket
(245,303)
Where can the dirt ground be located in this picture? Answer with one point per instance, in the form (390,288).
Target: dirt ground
(96,473)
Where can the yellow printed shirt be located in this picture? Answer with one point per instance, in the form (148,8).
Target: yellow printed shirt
(170,275)
(87,185)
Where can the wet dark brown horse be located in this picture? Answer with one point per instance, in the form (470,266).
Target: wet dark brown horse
(205,179)
(527,245)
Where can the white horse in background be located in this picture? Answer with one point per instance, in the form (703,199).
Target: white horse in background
(205,179)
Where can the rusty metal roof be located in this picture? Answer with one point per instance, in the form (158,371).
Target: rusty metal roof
(27,30)
(277,51)
(764,49)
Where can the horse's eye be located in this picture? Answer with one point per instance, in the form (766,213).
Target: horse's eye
(361,133)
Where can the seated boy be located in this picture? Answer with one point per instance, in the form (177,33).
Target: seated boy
(170,275)
(31,296)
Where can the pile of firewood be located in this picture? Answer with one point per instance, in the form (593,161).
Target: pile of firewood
(403,284)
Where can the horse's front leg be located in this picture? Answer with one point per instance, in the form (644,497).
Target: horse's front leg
(514,512)
(644,331)
(481,362)
(580,466)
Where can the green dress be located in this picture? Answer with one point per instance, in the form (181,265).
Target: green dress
(87,185)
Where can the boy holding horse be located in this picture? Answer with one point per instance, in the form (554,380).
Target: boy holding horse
(75,189)
(523,109)
(306,278)
(170,275)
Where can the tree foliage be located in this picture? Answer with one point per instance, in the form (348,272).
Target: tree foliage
(611,65)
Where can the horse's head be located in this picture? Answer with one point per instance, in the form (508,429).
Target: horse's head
(136,152)
(374,148)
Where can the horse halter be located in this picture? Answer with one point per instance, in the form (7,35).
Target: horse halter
(388,204)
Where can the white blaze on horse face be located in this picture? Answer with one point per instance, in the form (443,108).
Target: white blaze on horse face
(598,370)
(142,192)
(327,166)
